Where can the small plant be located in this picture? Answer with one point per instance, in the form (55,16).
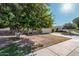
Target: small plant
(37,46)
(14,50)
(40,45)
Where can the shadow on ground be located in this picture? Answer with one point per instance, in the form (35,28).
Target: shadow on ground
(6,33)
(70,34)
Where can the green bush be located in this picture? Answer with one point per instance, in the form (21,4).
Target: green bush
(14,50)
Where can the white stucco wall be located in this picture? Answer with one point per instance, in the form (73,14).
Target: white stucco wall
(46,30)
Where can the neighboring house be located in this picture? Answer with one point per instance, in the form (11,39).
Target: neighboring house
(33,31)
(46,30)
(43,30)
(58,28)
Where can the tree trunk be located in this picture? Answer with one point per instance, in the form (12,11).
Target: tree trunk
(17,34)
(27,31)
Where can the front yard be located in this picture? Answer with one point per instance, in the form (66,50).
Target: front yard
(47,40)
(20,47)
(13,46)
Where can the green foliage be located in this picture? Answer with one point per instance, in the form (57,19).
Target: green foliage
(25,15)
(69,26)
(76,21)
(14,50)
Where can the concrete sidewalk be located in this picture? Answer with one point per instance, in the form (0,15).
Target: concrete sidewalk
(70,47)
(67,48)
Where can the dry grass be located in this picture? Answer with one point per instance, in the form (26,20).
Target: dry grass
(48,40)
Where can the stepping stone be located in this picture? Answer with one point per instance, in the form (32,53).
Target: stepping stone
(44,52)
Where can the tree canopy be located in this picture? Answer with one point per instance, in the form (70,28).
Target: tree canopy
(25,15)
(69,26)
(76,21)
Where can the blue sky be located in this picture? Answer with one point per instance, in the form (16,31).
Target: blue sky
(61,16)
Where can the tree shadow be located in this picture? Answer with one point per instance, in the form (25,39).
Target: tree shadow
(6,33)
(70,34)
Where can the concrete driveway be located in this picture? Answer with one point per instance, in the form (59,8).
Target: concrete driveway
(67,48)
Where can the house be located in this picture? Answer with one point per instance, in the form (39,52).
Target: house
(58,28)
(46,30)
(40,31)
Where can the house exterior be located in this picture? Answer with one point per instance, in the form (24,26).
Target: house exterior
(46,30)
(41,31)
(58,28)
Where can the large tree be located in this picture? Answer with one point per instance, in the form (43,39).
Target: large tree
(69,26)
(25,16)
(76,21)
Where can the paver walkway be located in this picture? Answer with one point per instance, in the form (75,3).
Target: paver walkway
(67,48)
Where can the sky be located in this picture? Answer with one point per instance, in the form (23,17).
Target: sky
(64,13)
